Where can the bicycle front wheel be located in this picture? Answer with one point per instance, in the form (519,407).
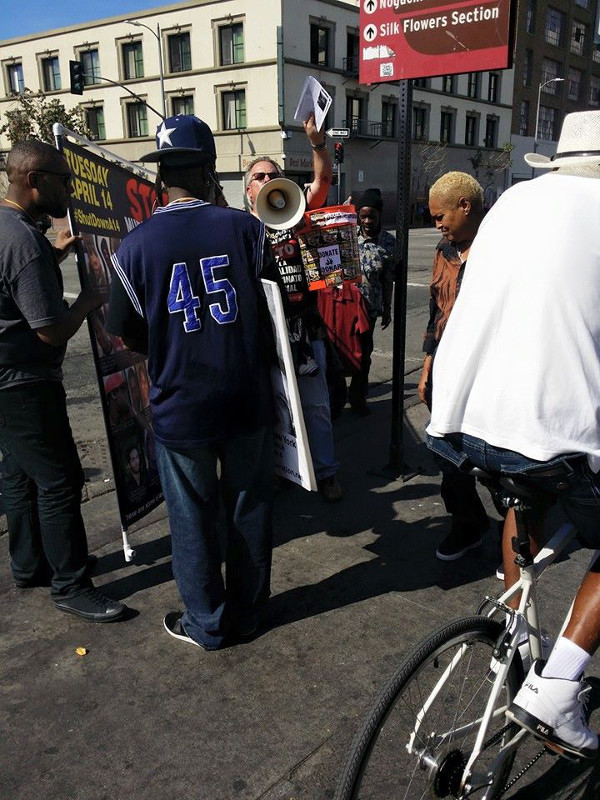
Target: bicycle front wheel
(418,737)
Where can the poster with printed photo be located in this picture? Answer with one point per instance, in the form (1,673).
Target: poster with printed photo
(108,200)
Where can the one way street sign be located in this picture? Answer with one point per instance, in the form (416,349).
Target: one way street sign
(338,133)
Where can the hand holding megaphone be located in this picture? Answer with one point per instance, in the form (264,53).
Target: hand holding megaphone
(280,204)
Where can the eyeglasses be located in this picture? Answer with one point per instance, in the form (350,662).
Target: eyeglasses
(260,176)
(66,176)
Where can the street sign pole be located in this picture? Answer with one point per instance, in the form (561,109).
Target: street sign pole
(396,464)
(339,184)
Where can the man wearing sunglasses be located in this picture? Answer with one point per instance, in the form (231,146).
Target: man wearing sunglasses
(304,320)
(41,472)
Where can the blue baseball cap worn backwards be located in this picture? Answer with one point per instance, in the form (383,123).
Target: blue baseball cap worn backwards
(180,136)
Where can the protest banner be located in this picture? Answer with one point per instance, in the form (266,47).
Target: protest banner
(292,451)
(108,200)
(329,247)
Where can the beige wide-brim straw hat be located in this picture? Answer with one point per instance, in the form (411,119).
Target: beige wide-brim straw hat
(578,146)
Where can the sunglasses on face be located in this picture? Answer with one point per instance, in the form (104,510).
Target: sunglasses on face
(65,176)
(260,176)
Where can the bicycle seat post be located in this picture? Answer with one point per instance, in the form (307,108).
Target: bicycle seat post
(520,542)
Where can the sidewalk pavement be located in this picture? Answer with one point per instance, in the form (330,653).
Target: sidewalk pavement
(145,717)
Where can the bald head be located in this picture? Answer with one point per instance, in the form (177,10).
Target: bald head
(31,155)
(38,176)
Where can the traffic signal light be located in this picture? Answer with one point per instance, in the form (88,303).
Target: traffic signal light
(76,76)
(338,153)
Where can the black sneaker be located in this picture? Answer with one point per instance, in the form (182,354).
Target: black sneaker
(462,537)
(247,629)
(173,627)
(330,489)
(92,606)
(361,409)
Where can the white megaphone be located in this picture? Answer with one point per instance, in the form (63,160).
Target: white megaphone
(280,204)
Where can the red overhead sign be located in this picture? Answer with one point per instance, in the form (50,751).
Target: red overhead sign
(402,39)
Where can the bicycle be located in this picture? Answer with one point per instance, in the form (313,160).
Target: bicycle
(438,728)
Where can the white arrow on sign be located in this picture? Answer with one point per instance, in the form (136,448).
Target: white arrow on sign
(370,32)
(370,6)
(338,133)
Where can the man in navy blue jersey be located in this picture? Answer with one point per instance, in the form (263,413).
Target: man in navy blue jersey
(189,296)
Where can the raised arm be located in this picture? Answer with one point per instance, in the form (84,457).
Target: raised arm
(322,169)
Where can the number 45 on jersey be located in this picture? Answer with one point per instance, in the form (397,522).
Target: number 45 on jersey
(182,298)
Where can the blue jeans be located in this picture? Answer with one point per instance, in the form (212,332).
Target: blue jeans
(213,608)
(41,484)
(572,483)
(314,396)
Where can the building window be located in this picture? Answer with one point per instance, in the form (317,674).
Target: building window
(555,23)
(596,53)
(471,125)
(582,3)
(234,109)
(16,82)
(420,83)
(575,78)
(183,105)
(231,44)
(577,38)
(352,53)
(494,87)
(594,90)
(448,84)
(491,132)
(419,123)
(137,120)
(527,68)
(473,84)
(51,74)
(524,118)
(180,55)
(550,71)
(446,126)
(90,61)
(547,123)
(133,61)
(320,38)
(388,118)
(530,21)
(355,115)
(94,118)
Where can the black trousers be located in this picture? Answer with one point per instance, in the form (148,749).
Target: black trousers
(42,480)
(459,494)
(359,383)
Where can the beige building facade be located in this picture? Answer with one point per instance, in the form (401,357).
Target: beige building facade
(240,66)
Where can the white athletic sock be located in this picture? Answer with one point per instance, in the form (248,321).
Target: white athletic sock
(567,661)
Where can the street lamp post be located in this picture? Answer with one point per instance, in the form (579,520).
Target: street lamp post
(537,113)
(156,34)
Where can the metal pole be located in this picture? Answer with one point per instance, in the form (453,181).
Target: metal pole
(161,73)
(339,184)
(156,34)
(537,114)
(396,456)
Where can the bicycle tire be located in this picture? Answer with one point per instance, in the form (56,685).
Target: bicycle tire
(467,631)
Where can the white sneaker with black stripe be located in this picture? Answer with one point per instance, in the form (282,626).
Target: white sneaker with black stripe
(553,709)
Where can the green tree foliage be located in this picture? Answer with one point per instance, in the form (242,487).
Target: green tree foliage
(34,115)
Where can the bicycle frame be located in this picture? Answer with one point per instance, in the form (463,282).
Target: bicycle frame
(526,616)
